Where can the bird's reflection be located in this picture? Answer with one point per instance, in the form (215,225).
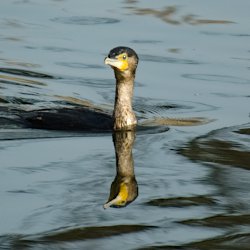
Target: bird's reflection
(124,188)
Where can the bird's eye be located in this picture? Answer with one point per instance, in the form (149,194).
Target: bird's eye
(124,57)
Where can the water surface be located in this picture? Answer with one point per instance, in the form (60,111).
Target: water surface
(193,181)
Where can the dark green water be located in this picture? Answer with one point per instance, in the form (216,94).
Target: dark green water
(190,184)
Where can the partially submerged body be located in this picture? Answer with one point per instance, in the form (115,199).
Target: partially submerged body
(81,117)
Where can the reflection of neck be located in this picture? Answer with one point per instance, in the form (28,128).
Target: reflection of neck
(124,117)
(123,142)
(124,188)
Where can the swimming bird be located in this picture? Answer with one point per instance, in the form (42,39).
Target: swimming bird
(79,116)
(124,62)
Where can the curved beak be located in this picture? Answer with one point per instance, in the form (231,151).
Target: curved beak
(113,62)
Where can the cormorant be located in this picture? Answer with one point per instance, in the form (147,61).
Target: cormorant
(124,62)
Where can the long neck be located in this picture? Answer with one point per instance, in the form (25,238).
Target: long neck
(123,115)
(123,96)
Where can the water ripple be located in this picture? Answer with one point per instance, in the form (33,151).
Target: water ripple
(27,73)
(165,59)
(215,33)
(146,41)
(85,20)
(217,78)
(229,147)
(80,65)
(51,48)
(92,82)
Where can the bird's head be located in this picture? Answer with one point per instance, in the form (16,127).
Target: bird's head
(123,60)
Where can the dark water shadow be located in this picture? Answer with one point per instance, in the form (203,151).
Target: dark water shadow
(94,232)
(229,147)
(58,238)
(182,201)
(227,242)
(220,221)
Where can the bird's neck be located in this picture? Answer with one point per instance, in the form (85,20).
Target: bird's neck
(124,117)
